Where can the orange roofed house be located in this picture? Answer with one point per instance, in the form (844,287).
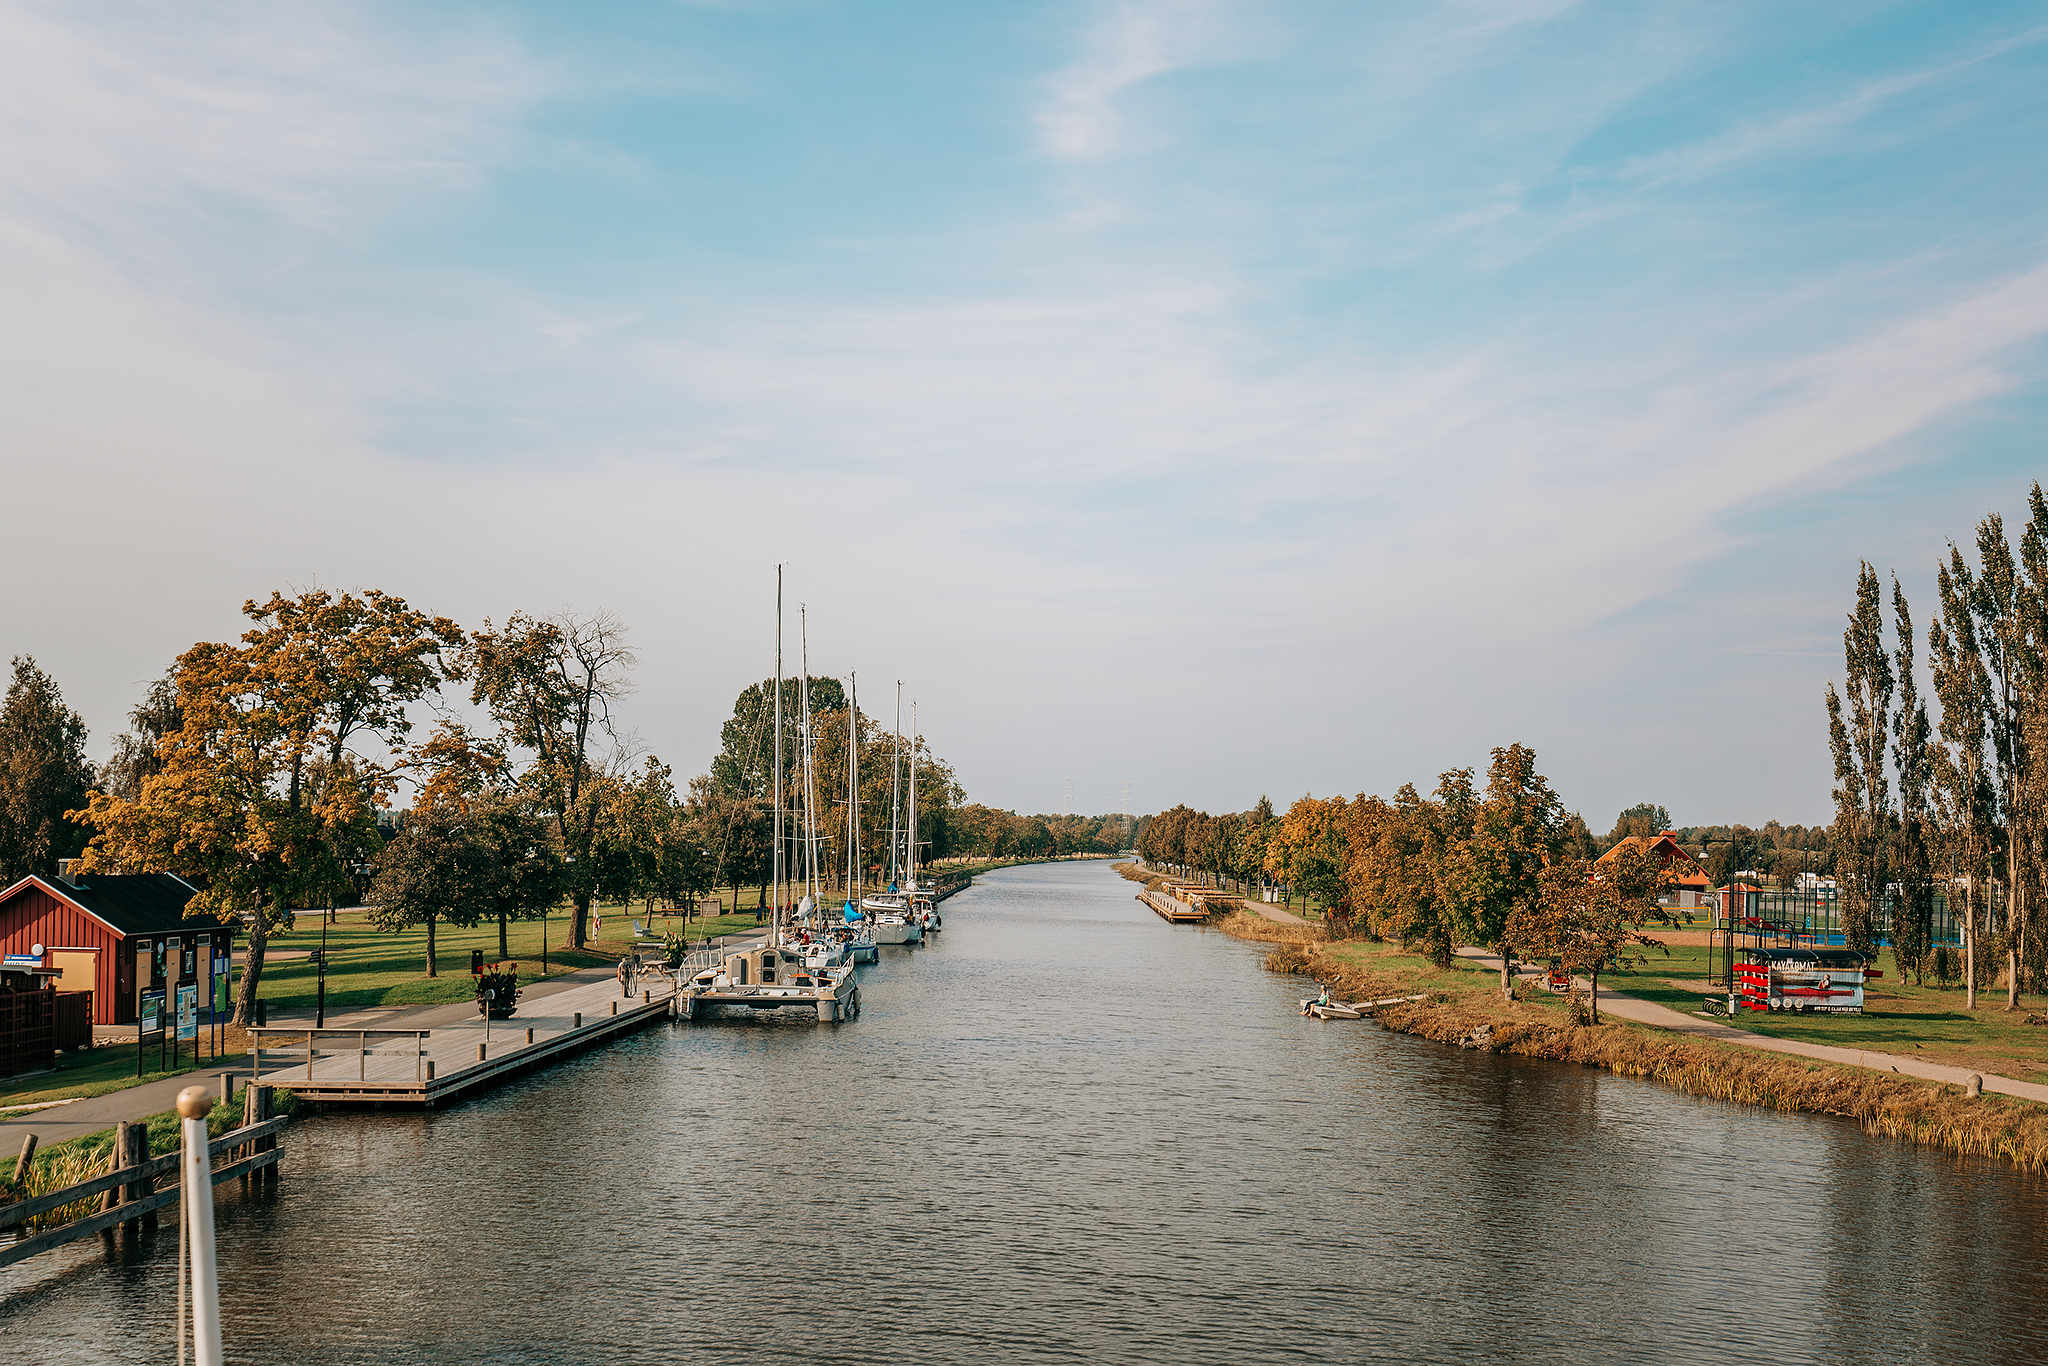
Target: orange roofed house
(1689,888)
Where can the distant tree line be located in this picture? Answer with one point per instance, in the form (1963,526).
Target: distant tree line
(1503,866)
(282,772)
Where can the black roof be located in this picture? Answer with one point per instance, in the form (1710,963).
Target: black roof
(134,903)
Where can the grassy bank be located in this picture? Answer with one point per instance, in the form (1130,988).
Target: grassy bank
(1927,1022)
(110,1067)
(81,1159)
(1464,1006)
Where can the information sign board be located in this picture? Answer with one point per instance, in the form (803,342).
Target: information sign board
(152,1010)
(188,1011)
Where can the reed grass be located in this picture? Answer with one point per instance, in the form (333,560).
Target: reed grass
(66,1168)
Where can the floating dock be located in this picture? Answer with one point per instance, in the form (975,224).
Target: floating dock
(433,1067)
(1172,907)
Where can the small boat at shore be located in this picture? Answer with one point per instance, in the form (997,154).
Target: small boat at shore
(770,977)
(1333,1010)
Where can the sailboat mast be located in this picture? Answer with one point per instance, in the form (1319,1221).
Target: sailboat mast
(910,835)
(852,783)
(896,791)
(775,866)
(803,631)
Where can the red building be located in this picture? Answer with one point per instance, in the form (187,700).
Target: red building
(1687,886)
(116,937)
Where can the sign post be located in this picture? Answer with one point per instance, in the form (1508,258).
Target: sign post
(149,1019)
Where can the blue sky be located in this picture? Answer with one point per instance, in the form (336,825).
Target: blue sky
(1220,398)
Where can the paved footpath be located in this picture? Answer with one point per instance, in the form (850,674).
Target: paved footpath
(1274,912)
(1663,1017)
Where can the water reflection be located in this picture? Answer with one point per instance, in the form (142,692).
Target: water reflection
(1065,1131)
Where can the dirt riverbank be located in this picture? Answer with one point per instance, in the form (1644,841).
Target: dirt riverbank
(1464,1008)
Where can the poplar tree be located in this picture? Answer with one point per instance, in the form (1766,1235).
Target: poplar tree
(1913,872)
(1964,802)
(2033,949)
(1863,804)
(1998,601)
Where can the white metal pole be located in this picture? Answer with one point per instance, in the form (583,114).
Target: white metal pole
(196,1180)
(775,924)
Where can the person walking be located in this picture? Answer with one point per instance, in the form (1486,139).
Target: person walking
(625,975)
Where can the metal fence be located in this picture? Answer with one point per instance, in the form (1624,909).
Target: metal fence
(1816,914)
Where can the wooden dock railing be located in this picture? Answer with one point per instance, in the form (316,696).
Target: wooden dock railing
(129,1190)
(362,1051)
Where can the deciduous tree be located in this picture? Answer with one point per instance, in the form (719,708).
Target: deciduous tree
(1517,829)
(1912,863)
(435,872)
(1591,917)
(551,685)
(1964,800)
(1864,818)
(287,744)
(44,776)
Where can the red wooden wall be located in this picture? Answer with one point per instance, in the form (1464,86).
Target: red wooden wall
(32,916)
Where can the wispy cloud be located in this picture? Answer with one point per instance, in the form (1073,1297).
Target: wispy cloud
(1132,41)
(1803,129)
(130,121)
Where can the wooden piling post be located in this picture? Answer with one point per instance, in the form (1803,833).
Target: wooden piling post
(578,1017)
(21,1164)
(529,1035)
(480,1052)
(138,1153)
(257,1109)
(615,1007)
(116,1159)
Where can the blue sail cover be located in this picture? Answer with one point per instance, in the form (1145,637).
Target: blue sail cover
(851,914)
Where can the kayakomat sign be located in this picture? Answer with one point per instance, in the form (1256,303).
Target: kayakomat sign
(1809,981)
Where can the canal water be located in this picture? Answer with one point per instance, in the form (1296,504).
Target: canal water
(1064,1132)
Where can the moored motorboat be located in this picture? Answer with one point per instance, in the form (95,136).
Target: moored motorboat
(770,977)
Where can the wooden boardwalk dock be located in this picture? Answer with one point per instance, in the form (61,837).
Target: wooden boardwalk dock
(431,1067)
(1172,907)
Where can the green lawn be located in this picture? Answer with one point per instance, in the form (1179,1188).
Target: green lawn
(372,967)
(1929,1022)
(1407,974)
(110,1067)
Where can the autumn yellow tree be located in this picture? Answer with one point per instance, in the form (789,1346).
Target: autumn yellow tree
(1308,851)
(1591,916)
(1517,828)
(264,796)
(1392,884)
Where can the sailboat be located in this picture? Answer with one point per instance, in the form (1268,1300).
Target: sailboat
(861,948)
(773,975)
(923,909)
(894,921)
